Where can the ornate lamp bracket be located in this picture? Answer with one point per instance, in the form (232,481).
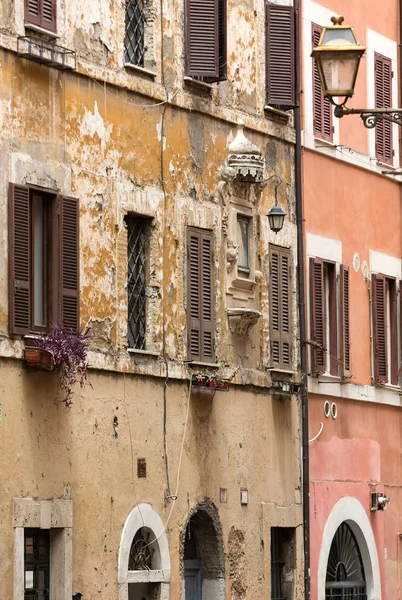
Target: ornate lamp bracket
(371,117)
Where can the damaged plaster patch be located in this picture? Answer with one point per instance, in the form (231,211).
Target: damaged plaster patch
(92,123)
(196,134)
(237,564)
(101,333)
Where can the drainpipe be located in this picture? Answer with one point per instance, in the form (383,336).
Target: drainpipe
(302,307)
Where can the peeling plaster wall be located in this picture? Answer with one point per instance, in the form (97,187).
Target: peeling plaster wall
(110,143)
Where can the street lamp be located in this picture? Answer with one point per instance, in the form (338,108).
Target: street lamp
(276,216)
(337,57)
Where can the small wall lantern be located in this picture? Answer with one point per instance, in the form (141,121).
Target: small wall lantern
(276,216)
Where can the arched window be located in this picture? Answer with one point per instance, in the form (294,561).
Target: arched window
(144,562)
(345,578)
(203,556)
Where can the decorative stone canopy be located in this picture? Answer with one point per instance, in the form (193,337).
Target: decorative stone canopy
(245,158)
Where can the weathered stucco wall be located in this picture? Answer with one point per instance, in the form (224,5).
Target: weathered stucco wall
(105,136)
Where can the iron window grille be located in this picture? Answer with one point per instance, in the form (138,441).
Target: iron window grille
(345,578)
(282,562)
(137,250)
(134,41)
(36,564)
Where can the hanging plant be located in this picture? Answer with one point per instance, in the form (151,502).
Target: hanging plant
(68,349)
(214,381)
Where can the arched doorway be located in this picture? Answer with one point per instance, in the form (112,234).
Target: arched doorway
(203,556)
(345,578)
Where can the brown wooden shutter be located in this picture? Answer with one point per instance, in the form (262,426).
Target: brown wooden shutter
(378,295)
(202,38)
(49,14)
(332,344)
(200,315)
(69,251)
(393,329)
(280,55)
(19,259)
(400,330)
(383,99)
(280,310)
(345,323)
(322,109)
(317,315)
(33,12)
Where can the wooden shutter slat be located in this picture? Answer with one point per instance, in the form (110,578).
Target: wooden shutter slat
(280,311)
(69,244)
(383,99)
(379,328)
(49,14)
(33,13)
(202,38)
(194,287)
(333,322)
(19,259)
(285,311)
(344,321)
(275,321)
(280,55)
(322,109)
(393,359)
(207,299)
(317,323)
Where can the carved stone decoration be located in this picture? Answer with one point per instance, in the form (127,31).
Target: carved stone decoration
(232,253)
(241,319)
(245,158)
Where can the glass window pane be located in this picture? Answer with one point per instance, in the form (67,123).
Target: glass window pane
(38,246)
(243,241)
(29,580)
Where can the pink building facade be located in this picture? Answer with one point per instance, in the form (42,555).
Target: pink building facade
(353,243)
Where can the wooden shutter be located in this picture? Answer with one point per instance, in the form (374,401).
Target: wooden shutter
(383,99)
(202,38)
(200,311)
(400,330)
(49,14)
(332,343)
(33,12)
(280,309)
(317,315)
(280,55)
(345,323)
(322,110)
(69,254)
(393,329)
(19,259)
(378,298)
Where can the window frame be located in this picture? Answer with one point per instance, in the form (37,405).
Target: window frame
(40,18)
(386,323)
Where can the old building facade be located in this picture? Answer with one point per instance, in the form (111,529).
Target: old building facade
(352,209)
(133,203)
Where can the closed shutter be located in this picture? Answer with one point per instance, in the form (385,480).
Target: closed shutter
(393,329)
(33,12)
(332,343)
(19,259)
(400,331)
(378,293)
(49,14)
(200,315)
(280,55)
(383,99)
(345,322)
(202,38)
(317,315)
(280,309)
(69,251)
(322,109)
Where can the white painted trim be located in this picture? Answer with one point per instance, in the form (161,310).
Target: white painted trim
(385,264)
(323,247)
(350,510)
(387,394)
(388,48)
(143,515)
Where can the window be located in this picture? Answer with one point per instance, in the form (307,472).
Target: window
(282,562)
(200,294)
(41,13)
(280,308)
(383,99)
(280,56)
(322,110)
(36,563)
(243,236)
(205,39)
(134,41)
(345,577)
(330,342)
(385,337)
(43,260)
(137,252)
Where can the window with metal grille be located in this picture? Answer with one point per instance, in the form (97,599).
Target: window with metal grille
(137,252)
(134,41)
(36,564)
(345,578)
(282,562)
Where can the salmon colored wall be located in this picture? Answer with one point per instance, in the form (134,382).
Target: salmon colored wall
(360,208)
(357,453)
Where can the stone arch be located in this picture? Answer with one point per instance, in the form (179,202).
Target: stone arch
(144,523)
(202,553)
(350,511)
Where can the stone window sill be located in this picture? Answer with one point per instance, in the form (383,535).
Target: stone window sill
(135,351)
(140,70)
(283,114)
(37,29)
(196,363)
(200,85)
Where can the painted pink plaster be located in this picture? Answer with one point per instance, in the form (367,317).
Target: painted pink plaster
(345,460)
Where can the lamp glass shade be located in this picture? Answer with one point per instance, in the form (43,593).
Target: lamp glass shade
(276,217)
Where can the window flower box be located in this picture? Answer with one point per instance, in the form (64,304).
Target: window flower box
(39,358)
